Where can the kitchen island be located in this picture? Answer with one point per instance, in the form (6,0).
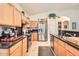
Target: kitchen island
(64,47)
(15,48)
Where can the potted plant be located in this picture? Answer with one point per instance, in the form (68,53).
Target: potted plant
(52,15)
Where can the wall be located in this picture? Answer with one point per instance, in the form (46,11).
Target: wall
(71,13)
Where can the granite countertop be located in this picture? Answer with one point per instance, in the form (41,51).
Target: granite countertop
(6,45)
(67,42)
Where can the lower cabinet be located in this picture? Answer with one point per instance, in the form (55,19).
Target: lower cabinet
(59,50)
(24,47)
(34,36)
(4,52)
(72,50)
(17,52)
(69,54)
(19,49)
(63,49)
(56,48)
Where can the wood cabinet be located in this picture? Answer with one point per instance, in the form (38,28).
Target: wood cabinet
(34,36)
(6,14)
(14,47)
(4,52)
(1,14)
(17,18)
(69,53)
(16,50)
(34,24)
(26,21)
(58,49)
(55,48)
(72,50)
(63,49)
(9,15)
(24,51)
(23,19)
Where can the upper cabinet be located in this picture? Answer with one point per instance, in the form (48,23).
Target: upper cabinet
(6,14)
(17,18)
(34,24)
(25,21)
(9,15)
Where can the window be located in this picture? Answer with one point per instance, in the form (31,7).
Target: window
(73,25)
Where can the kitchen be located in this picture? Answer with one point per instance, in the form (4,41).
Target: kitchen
(33,35)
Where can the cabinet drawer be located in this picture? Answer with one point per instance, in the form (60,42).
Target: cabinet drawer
(13,48)
(74,51)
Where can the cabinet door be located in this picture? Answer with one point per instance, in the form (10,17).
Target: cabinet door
(59,48)
(24,46)
(17,52)
(34,36)
(6,14)
(61,51)
(55,48)
(71,49)
(1,14)
(17,18)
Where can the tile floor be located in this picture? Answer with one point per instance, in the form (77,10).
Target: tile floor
(34,48)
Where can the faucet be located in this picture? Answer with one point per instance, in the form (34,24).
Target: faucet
(69,34)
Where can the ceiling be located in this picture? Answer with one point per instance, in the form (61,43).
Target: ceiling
(36,8)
